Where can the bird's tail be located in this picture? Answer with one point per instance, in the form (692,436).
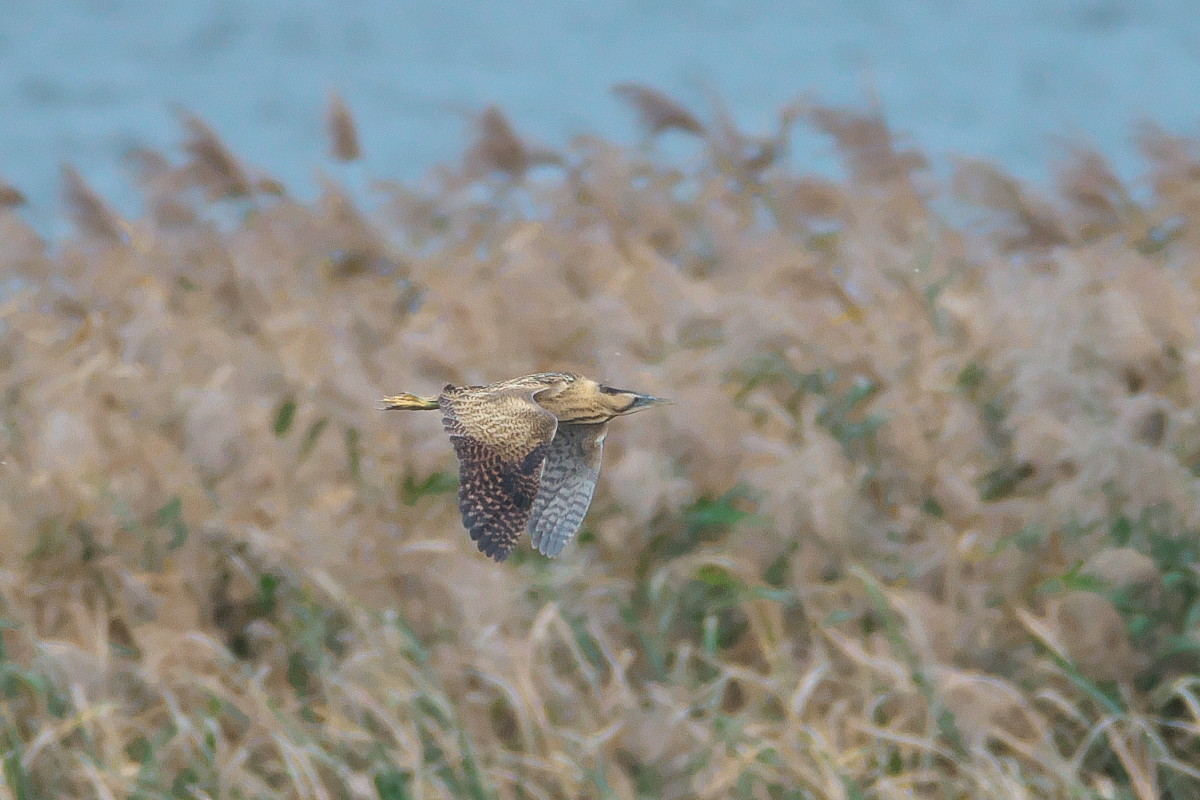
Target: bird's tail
(408,402)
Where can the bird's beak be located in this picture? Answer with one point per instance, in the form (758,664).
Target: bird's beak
(645,401)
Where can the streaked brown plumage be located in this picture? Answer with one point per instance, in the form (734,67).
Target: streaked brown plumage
(529,453)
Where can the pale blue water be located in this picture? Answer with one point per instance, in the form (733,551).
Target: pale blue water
(81,81)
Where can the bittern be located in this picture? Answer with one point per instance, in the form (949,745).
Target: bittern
(528,451)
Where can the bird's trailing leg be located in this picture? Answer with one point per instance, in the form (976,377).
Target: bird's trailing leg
(408,402)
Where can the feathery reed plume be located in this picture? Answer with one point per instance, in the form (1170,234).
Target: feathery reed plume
(1175,169)
(749,155)
(150,166)
(358,246)
(89,210)
(161,183)
(498,148)
(266,184)
(656,112)
(343,133)
(212,165)
(866,144)
(1037,225)
(1087,180)
(10,196)
(1169,150)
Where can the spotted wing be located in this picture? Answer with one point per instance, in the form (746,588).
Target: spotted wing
(568,480)
(501,439)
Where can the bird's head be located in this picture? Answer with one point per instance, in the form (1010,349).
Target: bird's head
(582,400)
(623,401)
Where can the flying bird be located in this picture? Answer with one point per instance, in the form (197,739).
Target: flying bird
(528,451)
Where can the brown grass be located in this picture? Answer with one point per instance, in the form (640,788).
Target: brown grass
(921,522)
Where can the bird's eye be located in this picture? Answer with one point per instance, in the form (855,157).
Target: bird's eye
(611,390)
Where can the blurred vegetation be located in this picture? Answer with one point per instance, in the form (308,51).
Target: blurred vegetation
(923,520)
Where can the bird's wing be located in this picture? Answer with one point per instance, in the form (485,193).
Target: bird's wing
(501,439)
(568,480)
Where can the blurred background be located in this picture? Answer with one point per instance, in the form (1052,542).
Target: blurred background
(922,521)
(83,81)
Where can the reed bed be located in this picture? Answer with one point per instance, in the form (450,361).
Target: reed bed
(922,521)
